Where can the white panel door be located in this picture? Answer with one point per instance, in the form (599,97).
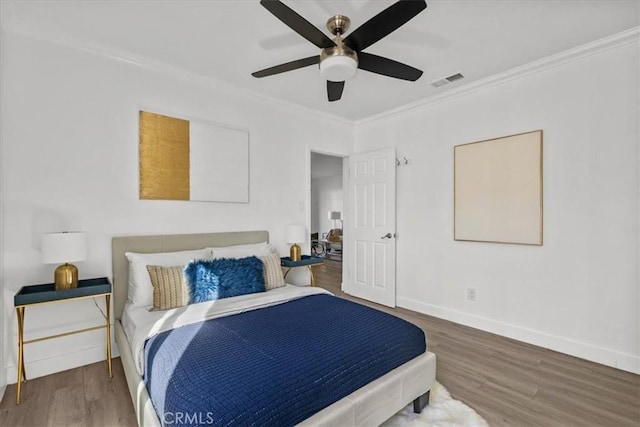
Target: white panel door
(369,227)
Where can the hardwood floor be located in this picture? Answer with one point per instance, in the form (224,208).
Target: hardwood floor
(83,396)
(511,383)
(506,381)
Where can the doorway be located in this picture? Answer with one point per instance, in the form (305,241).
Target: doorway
(326,208)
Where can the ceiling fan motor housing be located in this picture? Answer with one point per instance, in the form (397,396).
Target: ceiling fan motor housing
(338,63)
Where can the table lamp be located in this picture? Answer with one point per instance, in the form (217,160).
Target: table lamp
(64,248)
(296,234)
(335,216)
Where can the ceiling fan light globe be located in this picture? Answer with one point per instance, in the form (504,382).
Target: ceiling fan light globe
(338,68)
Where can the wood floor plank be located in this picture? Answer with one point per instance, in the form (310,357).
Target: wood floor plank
(589,415)
(31,412)
(96,381)
(590,389)
(607,373)
(455,370)
(67,406)
(516,409)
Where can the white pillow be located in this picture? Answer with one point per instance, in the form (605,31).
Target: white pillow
(140,287)
(242,251)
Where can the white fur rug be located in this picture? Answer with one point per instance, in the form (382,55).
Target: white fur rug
(442,411)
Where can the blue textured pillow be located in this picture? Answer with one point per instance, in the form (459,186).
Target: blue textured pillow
(210,280)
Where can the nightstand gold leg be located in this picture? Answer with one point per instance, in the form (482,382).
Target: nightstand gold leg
(21,369)
(108,311)
(24,372)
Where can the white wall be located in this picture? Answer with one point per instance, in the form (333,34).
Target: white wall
(579,292)
(70,145)
(327,193)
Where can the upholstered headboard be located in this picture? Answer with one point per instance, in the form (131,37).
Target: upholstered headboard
(167,243)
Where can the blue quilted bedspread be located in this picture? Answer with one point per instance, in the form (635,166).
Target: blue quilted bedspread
(274,366)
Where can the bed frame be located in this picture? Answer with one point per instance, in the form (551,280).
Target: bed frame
(371,405)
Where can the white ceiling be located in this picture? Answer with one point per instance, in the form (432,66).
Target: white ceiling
(227,40)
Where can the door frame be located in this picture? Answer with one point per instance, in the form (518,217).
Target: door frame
(343,155)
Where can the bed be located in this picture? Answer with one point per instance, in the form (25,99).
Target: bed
(370,404)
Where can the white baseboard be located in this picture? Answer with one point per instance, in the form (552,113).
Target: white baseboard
(625,362)
(2,390)
(47,366)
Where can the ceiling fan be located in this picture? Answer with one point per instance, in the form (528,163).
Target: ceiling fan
(340,58)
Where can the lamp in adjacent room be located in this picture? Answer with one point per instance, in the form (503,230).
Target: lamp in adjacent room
(335,216)
(296,234)
(65,247)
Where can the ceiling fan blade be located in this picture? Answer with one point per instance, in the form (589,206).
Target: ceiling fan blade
(334,90)
(297,23)
(288,66)
(384,23)
(387,67)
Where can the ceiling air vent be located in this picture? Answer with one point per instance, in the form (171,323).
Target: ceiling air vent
(446,80)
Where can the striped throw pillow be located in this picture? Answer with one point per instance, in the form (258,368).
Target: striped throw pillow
(273,277)
(169,288)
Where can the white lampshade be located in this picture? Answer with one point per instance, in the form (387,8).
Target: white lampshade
(338,68)
(64,247)
(296,233)
(335,215)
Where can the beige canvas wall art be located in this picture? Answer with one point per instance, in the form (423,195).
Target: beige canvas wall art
(498,190)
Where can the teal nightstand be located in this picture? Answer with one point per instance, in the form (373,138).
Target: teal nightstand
(306,261)
(29,296)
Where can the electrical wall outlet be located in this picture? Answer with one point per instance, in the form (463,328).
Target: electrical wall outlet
(471,294)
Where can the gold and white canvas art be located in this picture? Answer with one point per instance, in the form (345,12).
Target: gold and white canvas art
(498,190)
(192,160)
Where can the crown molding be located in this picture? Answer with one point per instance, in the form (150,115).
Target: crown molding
(163,68)
(592,48)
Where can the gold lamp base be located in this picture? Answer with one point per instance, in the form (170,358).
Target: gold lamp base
(295,253)
(66,277)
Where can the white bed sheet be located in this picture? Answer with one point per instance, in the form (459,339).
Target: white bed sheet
(140,323)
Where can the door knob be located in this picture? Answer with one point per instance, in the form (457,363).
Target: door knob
(387,236)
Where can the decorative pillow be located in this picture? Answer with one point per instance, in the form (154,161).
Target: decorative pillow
(273,277)
(169,288)
(140,288)
(215,279)
(242,251)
